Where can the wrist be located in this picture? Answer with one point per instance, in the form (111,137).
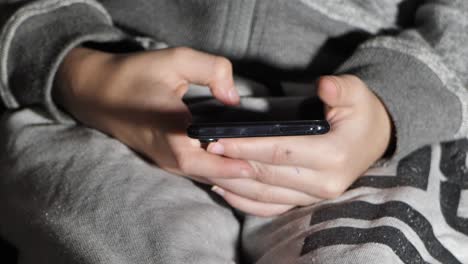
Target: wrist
(79,72)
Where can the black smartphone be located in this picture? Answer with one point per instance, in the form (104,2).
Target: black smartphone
(210,132)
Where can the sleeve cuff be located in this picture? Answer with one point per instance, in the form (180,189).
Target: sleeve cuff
(35,41)
(422,109)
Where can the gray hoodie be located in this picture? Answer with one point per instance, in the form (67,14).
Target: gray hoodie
(412,54)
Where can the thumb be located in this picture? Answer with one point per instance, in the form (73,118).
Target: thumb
(337,91)
(207,70)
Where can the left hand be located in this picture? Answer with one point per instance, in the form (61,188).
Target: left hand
(301,170)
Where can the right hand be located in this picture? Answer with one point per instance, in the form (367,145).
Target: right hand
(137,98)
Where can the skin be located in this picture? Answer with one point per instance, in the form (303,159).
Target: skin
(322,167)
(136,98)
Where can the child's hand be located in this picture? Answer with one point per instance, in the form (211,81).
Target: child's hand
(136,98)
(311,167)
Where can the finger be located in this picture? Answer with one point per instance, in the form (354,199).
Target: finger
(339,91)
(317,184)
(208,70)
(260,192)
(199,163)
(303,151)
(252,207)
(201,180)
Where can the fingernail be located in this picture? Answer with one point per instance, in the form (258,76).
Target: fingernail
(218,190)
(233,95)
(216,148)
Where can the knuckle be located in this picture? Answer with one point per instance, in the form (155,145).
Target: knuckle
(180,52)
(184,164)
(338,81)
(271,177)
(232,149)
(259,171)
(222,67)
(265,195)
(280,155)
(332,189)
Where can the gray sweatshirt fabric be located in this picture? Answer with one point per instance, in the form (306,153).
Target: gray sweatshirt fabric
(412,54)
(69,194)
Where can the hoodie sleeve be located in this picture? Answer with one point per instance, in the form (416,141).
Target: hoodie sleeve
(35,37)
(421,75)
